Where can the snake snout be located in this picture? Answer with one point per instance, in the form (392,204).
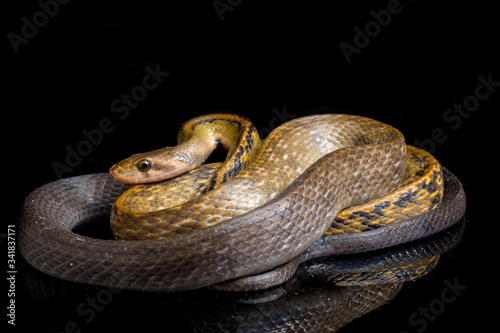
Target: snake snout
(117,172)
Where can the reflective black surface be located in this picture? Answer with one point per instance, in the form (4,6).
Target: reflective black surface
(312,301)
(89,86)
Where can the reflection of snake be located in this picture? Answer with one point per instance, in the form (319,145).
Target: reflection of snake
(239,240)
(307,303)
(312,310)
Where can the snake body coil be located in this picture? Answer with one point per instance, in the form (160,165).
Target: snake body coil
(305,173)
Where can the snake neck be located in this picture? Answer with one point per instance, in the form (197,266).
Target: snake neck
(237,135)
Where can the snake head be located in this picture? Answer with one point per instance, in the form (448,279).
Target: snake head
(150,167)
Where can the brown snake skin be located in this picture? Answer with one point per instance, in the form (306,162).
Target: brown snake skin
(371,164)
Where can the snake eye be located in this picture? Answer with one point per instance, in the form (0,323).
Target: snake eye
(144,165)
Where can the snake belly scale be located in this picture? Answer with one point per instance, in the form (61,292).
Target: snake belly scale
(300,178)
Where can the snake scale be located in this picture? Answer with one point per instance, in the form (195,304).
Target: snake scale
(269,217)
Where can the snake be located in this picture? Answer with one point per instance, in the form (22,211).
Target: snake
(265,207)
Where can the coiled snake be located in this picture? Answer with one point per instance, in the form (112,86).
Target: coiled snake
(264,210)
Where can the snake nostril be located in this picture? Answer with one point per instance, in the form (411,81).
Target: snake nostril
(115,171)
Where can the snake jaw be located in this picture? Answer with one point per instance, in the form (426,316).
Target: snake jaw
(172,169)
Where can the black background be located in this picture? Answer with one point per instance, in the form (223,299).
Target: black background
(261,57)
